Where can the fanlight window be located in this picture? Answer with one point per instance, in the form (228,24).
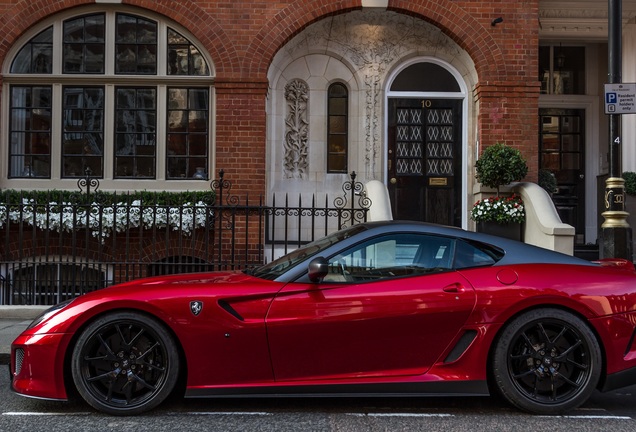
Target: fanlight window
(116,89)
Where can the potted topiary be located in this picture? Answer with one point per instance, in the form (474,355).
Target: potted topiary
(500,165)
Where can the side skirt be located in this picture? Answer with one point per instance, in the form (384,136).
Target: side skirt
(461,388)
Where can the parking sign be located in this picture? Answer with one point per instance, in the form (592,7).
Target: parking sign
(620,98)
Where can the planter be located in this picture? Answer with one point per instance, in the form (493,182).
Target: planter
(510,231)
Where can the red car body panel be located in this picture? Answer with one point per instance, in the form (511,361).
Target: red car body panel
(363,330)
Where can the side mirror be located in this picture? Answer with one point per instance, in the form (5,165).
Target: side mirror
(318,269)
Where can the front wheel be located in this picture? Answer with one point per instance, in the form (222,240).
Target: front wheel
(125,363)
(547,361)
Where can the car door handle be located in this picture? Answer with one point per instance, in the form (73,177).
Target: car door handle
(454,288)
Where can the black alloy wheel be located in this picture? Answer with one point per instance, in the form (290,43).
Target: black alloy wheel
(547,361)
(125,363)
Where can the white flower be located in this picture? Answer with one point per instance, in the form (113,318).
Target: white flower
(103,221)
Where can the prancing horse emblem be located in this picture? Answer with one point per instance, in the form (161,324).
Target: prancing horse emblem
(196,306)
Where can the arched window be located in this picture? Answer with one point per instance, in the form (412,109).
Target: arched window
(48,283)
(106,91)
(337,128)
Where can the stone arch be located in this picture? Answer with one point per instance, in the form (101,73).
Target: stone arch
(472,36)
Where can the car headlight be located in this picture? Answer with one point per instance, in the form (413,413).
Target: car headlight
(49,312)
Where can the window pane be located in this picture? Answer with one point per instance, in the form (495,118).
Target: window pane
(188,130)
(183,57)
(36,56)
(562,69)
(337,128)
(84,45)
(30,132)
(337,124)
(83,131)
(135,46)
(135,132)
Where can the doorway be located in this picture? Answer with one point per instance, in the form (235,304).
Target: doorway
(424,159)
(562,154)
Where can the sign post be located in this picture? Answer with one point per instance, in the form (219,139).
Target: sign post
(616,234)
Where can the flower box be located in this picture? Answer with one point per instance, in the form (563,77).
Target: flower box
(509,230)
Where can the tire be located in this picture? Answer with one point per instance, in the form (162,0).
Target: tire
(125,363)
(547,361)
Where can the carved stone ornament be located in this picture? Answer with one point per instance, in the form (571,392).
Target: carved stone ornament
(296,129)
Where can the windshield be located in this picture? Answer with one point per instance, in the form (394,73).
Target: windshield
(279,266)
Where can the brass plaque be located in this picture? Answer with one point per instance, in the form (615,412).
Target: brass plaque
(438,181)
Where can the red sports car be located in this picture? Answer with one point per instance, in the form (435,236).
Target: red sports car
(392,308)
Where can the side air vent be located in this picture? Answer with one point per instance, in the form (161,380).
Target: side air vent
(229,309)
(461,346)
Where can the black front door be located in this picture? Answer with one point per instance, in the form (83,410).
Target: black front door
(424,160)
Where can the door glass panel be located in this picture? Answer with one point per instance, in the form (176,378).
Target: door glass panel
(551,142)
(561,154)
(571,143)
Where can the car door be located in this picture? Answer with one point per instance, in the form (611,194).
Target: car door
(388,307)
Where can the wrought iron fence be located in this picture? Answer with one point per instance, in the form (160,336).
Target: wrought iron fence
(55,249)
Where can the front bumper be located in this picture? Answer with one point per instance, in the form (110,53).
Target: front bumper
(37,366)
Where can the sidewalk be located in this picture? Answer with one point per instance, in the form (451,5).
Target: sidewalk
(13,320)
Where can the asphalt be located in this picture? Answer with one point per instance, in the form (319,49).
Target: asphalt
(13,320)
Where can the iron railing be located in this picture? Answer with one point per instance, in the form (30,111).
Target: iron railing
(54,250)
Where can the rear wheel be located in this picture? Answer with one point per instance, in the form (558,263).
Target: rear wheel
(547,361)
(125,363)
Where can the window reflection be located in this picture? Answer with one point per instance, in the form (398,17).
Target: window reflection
(188,124)
(30,132)
(135,132)
(84,45)
(135,45)
(562,69)
(83,126)
(183,57)
(36,56)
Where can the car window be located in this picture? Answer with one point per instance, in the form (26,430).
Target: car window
(279,266)
(391,256)
(469,255)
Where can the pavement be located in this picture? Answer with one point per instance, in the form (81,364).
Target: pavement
(13,320)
